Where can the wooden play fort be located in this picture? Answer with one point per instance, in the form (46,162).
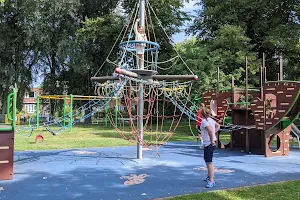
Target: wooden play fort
(7,139)
(258,120)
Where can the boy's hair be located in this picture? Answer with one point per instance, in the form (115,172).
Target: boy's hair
(206,112)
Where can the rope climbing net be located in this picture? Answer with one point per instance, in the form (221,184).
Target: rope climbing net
(190,109)
(161,117)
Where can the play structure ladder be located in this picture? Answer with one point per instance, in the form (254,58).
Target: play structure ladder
(7,139)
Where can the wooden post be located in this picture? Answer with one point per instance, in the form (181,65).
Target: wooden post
(232,114)
(262,92)
(265,68)
(262,79)
(263,134)
(247,99)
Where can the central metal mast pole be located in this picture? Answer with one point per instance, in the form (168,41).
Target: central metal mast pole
(281,68)
(141,90)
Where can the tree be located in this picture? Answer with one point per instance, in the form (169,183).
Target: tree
(96,8)
(55,24)
(229,49)
(272,26)
(15,52)
(227,52)
(98,37)
(196,56)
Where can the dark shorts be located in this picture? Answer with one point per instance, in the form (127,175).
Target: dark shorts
(208,153)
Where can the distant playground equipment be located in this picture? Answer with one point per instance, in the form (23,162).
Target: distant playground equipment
(7,138)
(70,115)
(102,115)
(259,118)
(65,121)
(18,119)
(39,137)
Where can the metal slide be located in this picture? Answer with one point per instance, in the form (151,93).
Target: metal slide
(295,133)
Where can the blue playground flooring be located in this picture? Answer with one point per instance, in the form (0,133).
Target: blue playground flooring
(115,174)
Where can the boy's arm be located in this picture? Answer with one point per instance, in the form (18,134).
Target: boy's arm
(217,127)
(135,27)
(210,133)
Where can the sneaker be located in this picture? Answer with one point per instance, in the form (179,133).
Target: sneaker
(206,179)
(210,184)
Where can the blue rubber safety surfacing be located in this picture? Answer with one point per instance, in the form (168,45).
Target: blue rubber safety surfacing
(114,173)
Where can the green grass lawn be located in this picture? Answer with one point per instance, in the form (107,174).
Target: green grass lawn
(279,191)
(84,136)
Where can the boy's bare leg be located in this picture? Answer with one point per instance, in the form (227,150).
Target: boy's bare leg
(138,61)
(141,61)
(210,168)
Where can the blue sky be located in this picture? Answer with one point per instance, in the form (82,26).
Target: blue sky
(189,7)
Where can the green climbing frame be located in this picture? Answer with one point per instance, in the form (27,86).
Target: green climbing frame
(11,111)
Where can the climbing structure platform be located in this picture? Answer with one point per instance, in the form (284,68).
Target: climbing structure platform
(258,119)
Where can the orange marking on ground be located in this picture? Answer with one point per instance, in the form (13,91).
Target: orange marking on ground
(134,179)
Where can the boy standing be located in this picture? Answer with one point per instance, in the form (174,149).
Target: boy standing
(208,129)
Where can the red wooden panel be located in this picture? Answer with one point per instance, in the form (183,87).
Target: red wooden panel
(284,148)
(285,93)
(6,155)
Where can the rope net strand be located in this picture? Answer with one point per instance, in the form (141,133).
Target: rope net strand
(161,117)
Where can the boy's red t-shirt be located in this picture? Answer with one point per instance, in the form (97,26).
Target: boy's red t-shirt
(199,118)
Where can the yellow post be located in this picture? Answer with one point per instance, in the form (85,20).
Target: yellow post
(18,119)
(6,119)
